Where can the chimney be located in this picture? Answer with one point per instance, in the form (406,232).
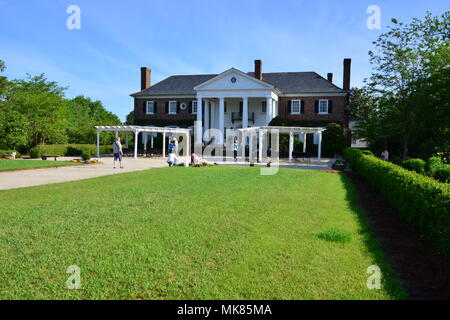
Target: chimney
(258,69)
(330,77)
(145,78)
(346,79)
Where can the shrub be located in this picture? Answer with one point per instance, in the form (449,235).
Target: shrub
(367,152)
(18,155)
(417,165)
(86,154)
(443,173)
(333,140)
(420,200)
(68,150)
(433,164)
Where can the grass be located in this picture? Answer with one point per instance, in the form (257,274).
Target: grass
(190,233)
(12,165)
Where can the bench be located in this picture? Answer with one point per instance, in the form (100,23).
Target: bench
(44,157)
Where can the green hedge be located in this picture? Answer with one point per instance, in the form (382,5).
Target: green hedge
(433,164)
(442,174)
(18,155)
(420,200)
(417,165)
(68,150)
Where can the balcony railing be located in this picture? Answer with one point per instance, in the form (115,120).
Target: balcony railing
(237,116)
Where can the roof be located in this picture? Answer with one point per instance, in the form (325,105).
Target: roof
(285,82)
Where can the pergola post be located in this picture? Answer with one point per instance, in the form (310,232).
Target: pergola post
(304,143)
(250,147)
(151,141)
(260,148)
(145,142)
(136,134)
(291,145)
(319,151)
(243,136)
(117,133)
(126,139)
(98,143)
(164,144)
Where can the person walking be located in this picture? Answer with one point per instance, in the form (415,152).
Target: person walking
(118,153)
(235,147)
(385,155)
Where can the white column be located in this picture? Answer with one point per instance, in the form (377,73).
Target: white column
(187,151)
(243,145)
(206,120)
(117,133)
(221,118)
(164,145)
(319,151)
(151,141)
(304,142)
(291,145)
(98,143)
(245,112)
(250,147)
(268,110)
(136,141)
(199,127)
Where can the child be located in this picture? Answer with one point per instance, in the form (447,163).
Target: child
(235,147)
(171,146)
(172,160)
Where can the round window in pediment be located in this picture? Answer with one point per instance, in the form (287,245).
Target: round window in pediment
(233,80)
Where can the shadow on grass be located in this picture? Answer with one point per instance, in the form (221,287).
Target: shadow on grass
(390,279)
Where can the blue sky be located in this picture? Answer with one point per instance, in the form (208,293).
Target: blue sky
(102,59)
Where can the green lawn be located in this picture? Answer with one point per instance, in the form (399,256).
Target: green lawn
(12,165)
(191,233)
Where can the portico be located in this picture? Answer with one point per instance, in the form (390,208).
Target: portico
(233,100)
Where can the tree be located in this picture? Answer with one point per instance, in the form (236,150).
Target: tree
(13,130)
(130,118)
(403,61)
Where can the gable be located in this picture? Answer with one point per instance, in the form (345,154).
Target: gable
(233,79)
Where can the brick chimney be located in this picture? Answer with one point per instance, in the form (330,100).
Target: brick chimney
(346,79)
(258,69)
(146,76)
(330,77)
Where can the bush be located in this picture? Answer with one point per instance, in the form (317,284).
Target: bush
(68,150)
(443,173)
(433,164)
(420,200)
(417,165)
(86,154)
(333,140)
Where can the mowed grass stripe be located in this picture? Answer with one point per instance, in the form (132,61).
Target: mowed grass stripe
(189,233)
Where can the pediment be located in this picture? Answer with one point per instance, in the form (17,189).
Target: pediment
(233,79)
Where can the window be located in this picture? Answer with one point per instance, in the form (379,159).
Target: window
(323,106)
(264,107)
(194,107)
(295,107)
(150,107)
(172,107)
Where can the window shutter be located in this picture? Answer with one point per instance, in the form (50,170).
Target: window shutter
(224,106)
(167,106)
(289,106)
(302,108)
(190,106)
(241,106)
(330,106)
(144,109)
(155,105)
(178,106)
(316,106)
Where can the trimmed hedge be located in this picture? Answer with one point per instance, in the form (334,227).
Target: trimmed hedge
(443,173)
(68,150)
(433,164)
(420,200)
(417,165)
(18,155)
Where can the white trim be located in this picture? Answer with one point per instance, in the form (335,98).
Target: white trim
(321,94)
(299,106)
(328,103)
(196,106)
(176,106)
(147,107)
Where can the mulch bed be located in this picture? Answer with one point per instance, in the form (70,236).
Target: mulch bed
(423,273)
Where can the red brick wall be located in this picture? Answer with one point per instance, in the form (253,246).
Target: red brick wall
(338,112)
(161,110)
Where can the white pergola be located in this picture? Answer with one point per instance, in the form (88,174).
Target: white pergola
(145,129)
(260,131)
